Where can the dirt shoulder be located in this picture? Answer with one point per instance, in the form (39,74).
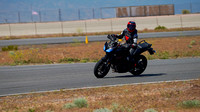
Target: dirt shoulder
(162,97)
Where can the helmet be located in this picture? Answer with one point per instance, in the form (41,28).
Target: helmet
(131,26)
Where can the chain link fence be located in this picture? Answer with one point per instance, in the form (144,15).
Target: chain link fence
(54,15)
(76,14)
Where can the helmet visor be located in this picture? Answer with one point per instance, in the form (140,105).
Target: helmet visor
(131,26)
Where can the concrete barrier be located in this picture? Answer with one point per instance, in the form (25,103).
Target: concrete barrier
(99,25)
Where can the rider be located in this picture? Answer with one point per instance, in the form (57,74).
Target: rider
(130,34)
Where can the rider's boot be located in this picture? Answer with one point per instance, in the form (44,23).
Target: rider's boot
(131,57)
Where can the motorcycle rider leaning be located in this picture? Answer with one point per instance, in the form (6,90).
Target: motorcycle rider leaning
(130,35)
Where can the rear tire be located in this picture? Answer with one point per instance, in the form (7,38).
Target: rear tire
(141,64)
(101,69)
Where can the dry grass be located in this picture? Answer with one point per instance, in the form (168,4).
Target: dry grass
(163,97)
(166,48)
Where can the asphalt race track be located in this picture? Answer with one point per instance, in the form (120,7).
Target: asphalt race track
(37,78)
(59,40)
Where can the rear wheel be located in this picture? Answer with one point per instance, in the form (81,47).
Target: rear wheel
(101,69)
(140,65)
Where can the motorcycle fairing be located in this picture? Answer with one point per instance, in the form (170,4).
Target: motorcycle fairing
(109,50)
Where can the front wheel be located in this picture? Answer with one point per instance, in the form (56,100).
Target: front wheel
(140,65)
(101,69)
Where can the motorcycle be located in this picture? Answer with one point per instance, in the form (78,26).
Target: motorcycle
(117,58)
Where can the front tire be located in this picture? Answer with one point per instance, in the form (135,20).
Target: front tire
(101,69)
(141,64)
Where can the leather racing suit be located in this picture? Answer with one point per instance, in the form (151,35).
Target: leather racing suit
(131,40)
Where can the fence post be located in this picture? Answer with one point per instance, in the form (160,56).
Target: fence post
(111,25)
(35,29)
(9,28)
(181,21)
(157,20)
(85,28)
(62,27)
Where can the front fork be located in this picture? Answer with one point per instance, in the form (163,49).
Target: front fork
(106,60)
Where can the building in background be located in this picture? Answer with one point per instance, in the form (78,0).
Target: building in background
(149,10)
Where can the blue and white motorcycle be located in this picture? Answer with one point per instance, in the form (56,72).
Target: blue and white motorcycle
(117,58)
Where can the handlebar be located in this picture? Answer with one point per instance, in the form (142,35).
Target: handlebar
(111,37)
(142,41)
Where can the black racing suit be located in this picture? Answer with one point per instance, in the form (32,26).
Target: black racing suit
(131,40)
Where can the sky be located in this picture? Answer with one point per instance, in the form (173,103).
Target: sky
(71,7)
(20,5)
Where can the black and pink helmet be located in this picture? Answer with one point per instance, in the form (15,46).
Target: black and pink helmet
(131,26)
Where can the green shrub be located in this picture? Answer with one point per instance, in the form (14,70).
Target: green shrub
(115,107)
(160,28)
(102,110)
(85,60)
(69,60)
(163,55)
(69,105)
(185,11)
(81,102)
(94,60)
(119,108)
(74,60)
(150,57)
(30,56)
(31,110)
(9,48)
(49,111)
(189,46)
(193,42)
(16,56)
(190,104)
(150,110)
